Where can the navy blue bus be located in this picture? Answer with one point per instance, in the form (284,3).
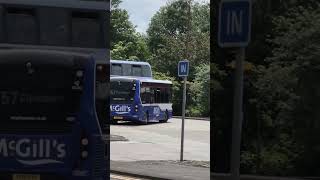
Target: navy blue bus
(49,125)
(140,100)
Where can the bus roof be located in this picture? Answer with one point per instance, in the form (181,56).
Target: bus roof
(130,62)
(79,4)
(155,81)
(141,79)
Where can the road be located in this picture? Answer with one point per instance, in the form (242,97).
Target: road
(161,141)
(123,177)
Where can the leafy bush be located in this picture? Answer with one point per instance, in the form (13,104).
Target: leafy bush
(200,92)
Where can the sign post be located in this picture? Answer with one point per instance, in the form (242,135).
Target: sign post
(183,71)
(234,31)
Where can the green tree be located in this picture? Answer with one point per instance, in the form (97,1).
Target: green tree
(286,97)
(298,47)
(172,29)
(179,31)
(126,43)
(200,92)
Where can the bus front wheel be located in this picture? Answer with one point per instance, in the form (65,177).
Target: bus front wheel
(145,118)
(166,117)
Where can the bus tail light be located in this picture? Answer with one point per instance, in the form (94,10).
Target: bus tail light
(84,154)
(84,142)
(136,108)
(102,72)
(78,79)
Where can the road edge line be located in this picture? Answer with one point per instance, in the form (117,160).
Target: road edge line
(137,175)
(193,118)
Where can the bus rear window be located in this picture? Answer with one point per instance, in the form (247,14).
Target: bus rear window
(39,94)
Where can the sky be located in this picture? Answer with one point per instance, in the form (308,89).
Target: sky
(141,11)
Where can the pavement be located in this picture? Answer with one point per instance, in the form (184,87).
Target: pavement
(153,151)
(160,170)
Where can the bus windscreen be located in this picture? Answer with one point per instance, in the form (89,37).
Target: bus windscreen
(122,92)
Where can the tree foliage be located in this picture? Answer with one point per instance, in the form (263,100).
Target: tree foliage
(285,97)
(176,34)
(200,92)
(126,43)
(179,31)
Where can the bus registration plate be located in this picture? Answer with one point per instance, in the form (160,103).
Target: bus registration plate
(26,177)
(118,117)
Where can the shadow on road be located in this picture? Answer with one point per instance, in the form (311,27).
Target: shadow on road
(129,123)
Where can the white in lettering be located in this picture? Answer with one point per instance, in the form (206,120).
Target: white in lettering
(234,22)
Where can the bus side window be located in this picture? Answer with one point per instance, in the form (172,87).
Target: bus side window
(116,69)
(136,70)
(126,70)
(170,94)
(164,95)
(148,95)
(158,98)
(143,95)
(146,71)
(152,95)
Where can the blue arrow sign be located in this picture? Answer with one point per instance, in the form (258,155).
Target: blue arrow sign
(183,68)
(234,23)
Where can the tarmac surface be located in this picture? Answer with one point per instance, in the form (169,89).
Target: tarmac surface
(160,141)
(153,151)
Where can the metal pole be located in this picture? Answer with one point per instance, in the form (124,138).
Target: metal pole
(237,117)
(183,115)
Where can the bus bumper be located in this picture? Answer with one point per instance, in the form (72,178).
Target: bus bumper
(134,118)
(48,176)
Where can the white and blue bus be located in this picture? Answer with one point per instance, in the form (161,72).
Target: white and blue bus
(140,100)
(130,68)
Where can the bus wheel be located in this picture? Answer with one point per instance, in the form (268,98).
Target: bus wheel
(114,122)
(145,118)
(166,117)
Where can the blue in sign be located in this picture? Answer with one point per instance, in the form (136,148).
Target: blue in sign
(183,68)
(234,23)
